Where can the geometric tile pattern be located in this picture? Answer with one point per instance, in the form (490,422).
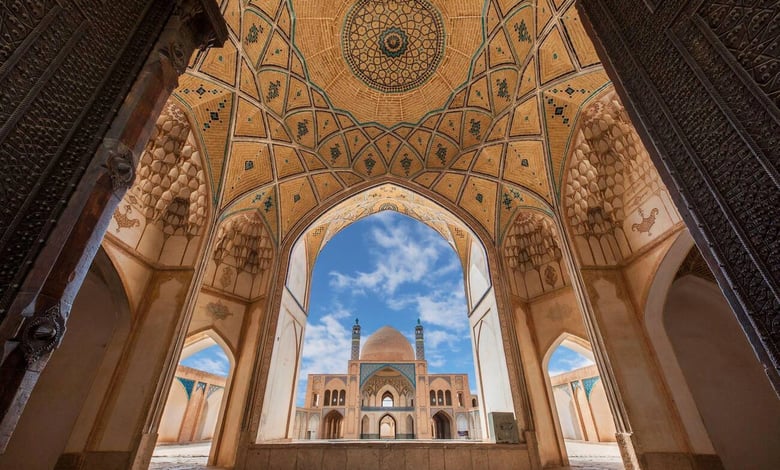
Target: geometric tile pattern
(279,140)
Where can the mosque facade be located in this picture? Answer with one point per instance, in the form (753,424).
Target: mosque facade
(388,393)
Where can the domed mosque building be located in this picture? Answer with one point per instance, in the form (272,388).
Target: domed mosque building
(388,393)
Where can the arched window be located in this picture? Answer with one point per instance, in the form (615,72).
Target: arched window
(315,399)
(448,398)
(474,402)
(334,398)
(342,396)
(433,398)
(460,399)
(327,398)
(440,396)
(387,400)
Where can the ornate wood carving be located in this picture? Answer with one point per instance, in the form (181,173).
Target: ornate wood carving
(701,80)
(64,70)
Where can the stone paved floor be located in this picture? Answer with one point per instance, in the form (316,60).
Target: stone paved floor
(582,456)
(589,456)
(181,457)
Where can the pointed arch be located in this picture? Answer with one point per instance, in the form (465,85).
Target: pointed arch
(333,425)
(442,425)
(696,360)
(298,254)
(388,428)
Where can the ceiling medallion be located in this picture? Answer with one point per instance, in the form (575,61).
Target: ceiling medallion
(393,45)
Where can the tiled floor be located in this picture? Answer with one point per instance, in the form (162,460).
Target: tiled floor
(582,456)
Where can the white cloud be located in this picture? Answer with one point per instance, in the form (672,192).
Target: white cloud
(436,338)
(565,364)
(401,254)
(213,363)
(445,308)
(327,346)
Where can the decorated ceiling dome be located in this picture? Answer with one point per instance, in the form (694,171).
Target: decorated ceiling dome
(387,344)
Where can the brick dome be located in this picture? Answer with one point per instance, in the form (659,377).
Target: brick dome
(387,344)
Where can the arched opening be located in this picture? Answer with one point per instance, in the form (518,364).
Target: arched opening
(409,427)
(73,386)
(387,400)
(387,428)
(195,400)
(332,425)
(579,400)
(297,305)
(442,428)
(701,348)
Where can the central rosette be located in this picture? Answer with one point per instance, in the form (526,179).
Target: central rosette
(393,42)
(393,45)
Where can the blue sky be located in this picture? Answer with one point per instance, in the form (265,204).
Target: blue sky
(564,359)
(211,359)
(386,269)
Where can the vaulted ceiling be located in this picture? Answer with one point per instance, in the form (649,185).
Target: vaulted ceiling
(475,101)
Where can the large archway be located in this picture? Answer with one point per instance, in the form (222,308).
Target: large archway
(332,425)
(486,328)
(584,424)
(696,360)
(387,427)
(195,404)
(72,390)
(441,425)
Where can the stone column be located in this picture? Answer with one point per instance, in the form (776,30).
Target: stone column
(37,316)
(192,415)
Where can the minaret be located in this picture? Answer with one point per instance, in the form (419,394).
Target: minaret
(356,341)
(419,343)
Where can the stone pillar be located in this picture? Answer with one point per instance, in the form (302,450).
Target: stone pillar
(38,308)
(654,429)
(192,415)
(700,82)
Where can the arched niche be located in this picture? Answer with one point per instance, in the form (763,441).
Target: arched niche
(723,396)
(487,337)
(614,202)
(165,214)
(241,258)
(533,255)
(72,388)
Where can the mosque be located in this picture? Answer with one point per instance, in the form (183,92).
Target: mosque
(387,389)
(607,172)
